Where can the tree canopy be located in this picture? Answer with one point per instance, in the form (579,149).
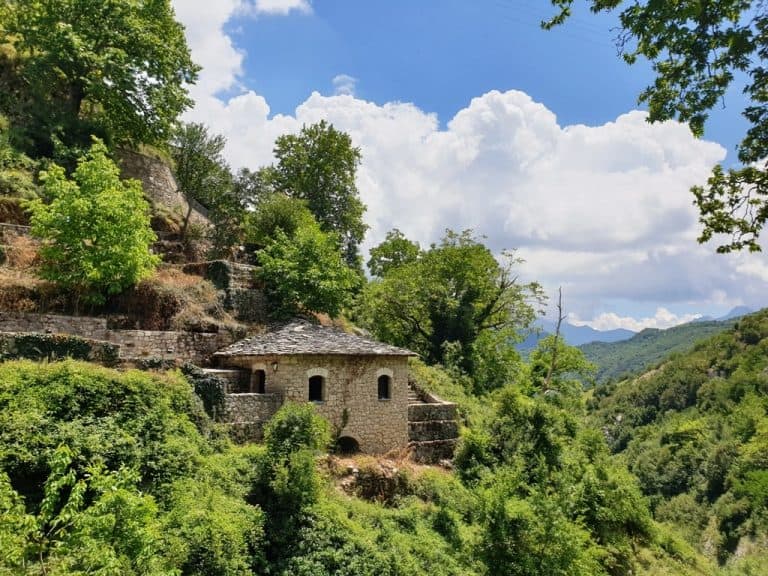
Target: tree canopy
(95,230)
(319,165)
(698,51)
(116,68)
(448,297)
(301,265)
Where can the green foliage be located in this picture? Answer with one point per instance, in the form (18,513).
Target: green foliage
(695,433)
(204,176)
(697,50)
(118,68)
(647,348)
(319,165)
(95,230)
(450,296)
(564,374)
(208,387)
(16,169)
(296,427)
(306,273)
(277,212)
(128,419)
(552,502)
(396,250)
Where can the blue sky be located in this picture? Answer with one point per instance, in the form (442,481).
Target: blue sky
(469,115)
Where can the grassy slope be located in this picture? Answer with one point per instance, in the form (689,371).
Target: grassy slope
(647,348)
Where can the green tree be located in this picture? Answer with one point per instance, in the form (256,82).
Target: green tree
(305,272)
(565,373)
(394,251)
(449,297)
(277,213)
(204,176)
(95,230)
(319,165)
(698,50)
(117,67)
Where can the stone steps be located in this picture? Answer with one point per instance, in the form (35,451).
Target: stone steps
(432,452)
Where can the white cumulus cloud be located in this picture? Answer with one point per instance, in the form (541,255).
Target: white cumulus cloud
(610,321)
(281,7)
(603,211)
(344,84)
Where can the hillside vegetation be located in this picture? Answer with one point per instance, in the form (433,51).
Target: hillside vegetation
(646,349)
(695,434)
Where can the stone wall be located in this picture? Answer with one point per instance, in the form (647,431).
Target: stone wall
(433,429)
(251,407)
(87,327)
(9,232)
(50,347)
(350,397)
(195,347)
(242,297)
(158,183)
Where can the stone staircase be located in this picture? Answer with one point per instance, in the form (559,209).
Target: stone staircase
(433,427)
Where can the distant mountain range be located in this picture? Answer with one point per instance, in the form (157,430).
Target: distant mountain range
(581,335)
(651,346)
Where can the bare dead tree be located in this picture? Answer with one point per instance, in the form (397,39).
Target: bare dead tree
(560,318)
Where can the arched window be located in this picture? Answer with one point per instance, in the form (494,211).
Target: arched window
(316,389)
(259,382)
(385,387)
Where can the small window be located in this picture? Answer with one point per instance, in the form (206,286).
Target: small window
(316,385)
(384,387)
(259,382)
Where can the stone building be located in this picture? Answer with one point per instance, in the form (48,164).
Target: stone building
(359,385)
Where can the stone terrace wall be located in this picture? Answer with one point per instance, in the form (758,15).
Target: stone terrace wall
(242,296)
(86,327)
(246,414)
(193,347)
(433,429)
(158,183)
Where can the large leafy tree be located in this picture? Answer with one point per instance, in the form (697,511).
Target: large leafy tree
(319,165)
(95,230)
(698,50)
(204,176)
(119,66)
(300,264)
(440,303)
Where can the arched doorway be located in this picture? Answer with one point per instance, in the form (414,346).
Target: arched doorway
(347,445)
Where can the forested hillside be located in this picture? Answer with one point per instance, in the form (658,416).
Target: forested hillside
(695,434)
(120,471)
(646,349)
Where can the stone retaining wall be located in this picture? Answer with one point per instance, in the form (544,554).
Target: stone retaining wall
(433,429)
(242,296)
(247,414)
(158,183)
(195,347)
(87,327)
(50,347)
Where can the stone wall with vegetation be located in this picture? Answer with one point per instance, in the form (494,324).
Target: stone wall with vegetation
(34,346)
(242,296)
(433,429)
(158,183)
(350,396)
(195,347)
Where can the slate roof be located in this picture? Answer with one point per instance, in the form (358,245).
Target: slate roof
(302,337)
